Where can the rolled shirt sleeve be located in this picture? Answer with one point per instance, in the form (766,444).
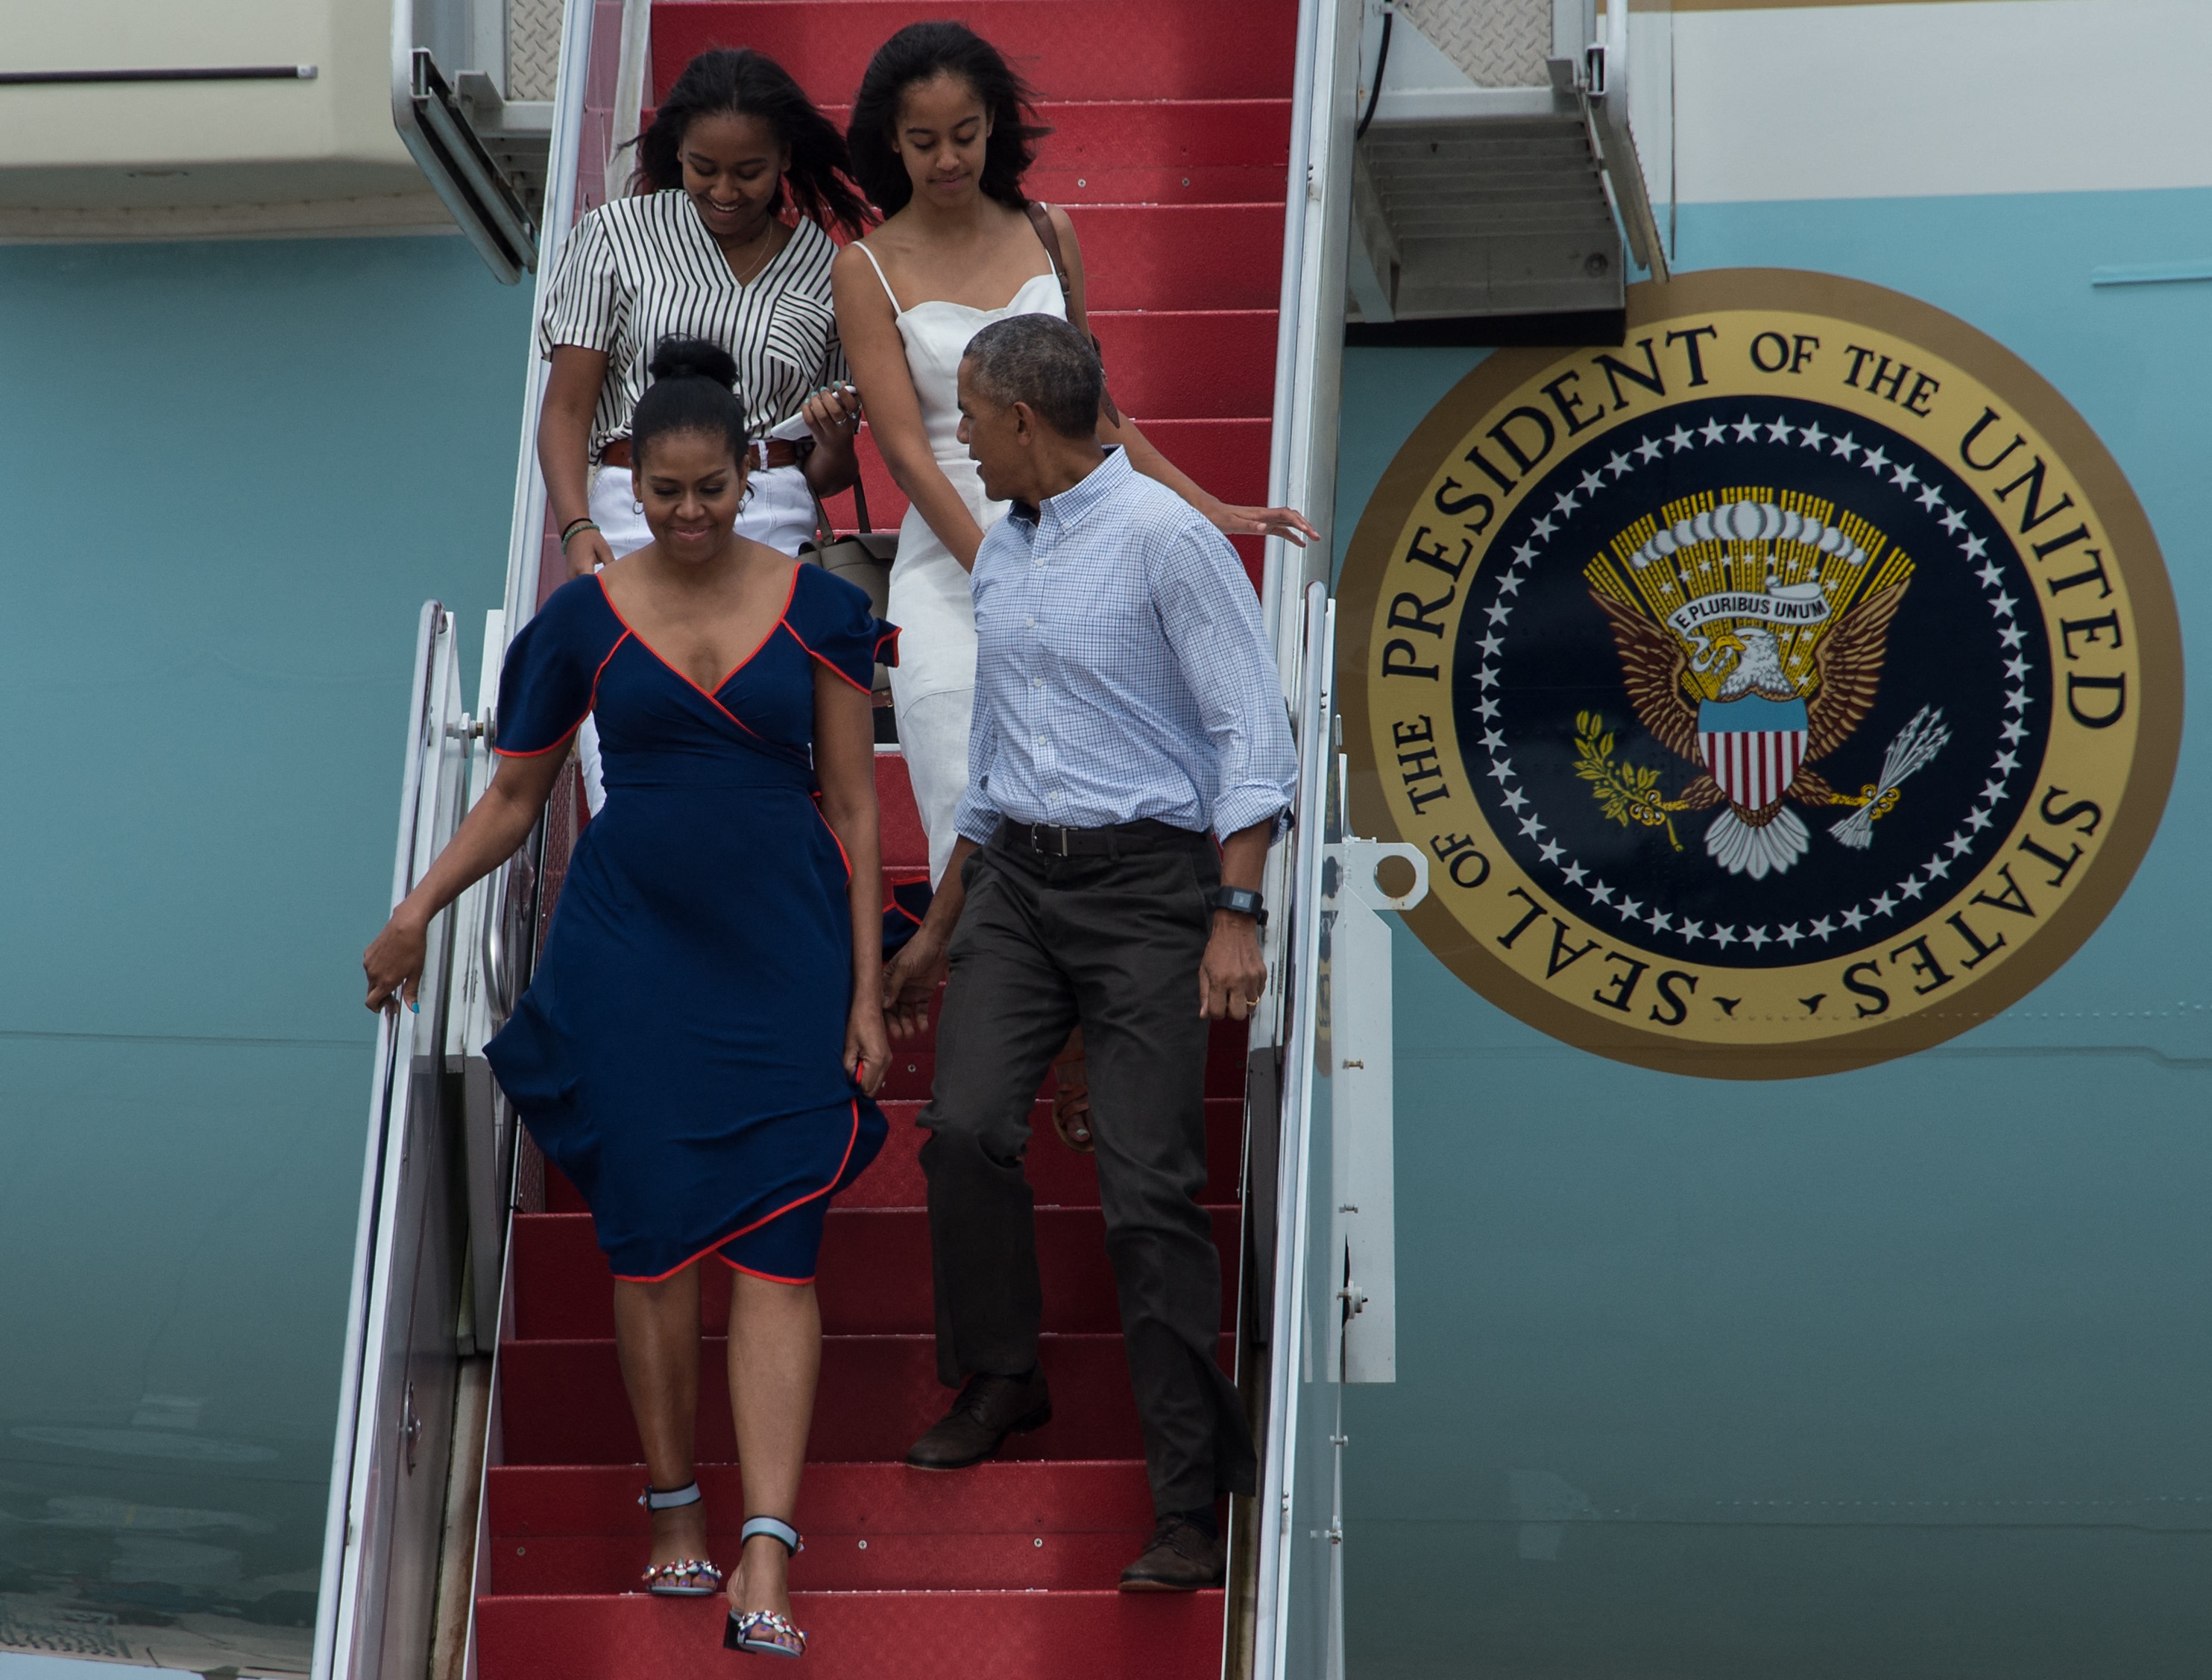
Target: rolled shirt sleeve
(1210,618)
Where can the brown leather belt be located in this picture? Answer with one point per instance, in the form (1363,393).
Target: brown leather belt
(764,453)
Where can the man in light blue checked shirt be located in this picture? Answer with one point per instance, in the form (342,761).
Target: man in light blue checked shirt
(1128,712)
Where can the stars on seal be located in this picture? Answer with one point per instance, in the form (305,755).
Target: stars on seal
(1621,464)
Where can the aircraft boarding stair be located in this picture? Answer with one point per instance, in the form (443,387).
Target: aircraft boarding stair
(1008,1569)
(483,1519)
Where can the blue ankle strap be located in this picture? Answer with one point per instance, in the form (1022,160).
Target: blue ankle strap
(775,1529)
(659,1499)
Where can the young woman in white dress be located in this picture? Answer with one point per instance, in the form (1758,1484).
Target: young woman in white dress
(939,138)
(722,238)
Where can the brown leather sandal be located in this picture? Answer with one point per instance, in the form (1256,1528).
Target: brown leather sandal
(1070,1103)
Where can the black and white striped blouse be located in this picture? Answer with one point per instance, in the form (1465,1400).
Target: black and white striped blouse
(638,269)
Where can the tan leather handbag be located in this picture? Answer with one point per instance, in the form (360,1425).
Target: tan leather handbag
(862,558)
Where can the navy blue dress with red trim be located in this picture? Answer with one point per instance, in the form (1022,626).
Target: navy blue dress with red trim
(679,1052)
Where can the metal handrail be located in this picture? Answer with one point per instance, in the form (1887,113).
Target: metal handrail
(1292,1246)
(526,535)
(394,1027)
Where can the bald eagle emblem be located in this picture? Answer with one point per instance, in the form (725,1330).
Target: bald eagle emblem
(1751,628)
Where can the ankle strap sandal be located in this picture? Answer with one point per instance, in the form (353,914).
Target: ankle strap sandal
(762,1632)
(657,1499)
(775,1529)
(680,1577)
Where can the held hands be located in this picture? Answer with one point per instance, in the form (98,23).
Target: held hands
(394,962)
(1232,974)
(1286,523)
(833,416)
(911,980)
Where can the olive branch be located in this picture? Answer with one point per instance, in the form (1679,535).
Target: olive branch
(1624,792)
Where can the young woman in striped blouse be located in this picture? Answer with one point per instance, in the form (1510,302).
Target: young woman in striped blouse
(704,248)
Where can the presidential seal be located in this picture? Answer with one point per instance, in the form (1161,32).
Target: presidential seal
(1788,688)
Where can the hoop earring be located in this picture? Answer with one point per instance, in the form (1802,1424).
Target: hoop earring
(746,501)
(636,507)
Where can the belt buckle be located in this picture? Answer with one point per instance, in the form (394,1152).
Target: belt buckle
(1037,833)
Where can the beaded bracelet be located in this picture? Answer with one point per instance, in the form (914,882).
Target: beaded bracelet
(574,525)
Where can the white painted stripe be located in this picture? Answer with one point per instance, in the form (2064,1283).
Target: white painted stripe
(1922,100)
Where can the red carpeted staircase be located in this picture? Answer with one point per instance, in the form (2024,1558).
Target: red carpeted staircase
(1171,123)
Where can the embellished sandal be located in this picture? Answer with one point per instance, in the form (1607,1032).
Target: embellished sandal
(762,1631)
(1070,1103)
(682,1577)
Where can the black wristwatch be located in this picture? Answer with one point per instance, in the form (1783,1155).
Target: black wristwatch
(1243,901)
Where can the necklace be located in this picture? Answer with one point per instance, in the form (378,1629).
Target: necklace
(746,277)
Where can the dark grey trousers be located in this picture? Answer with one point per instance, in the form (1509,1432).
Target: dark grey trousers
(1114,943)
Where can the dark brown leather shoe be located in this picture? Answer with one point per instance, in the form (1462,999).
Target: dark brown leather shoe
(1181,1557)
(989,1409)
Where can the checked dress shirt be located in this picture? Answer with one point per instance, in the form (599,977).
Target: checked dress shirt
(1121,670)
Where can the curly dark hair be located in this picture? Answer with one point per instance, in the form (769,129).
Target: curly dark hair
(917,53)
(693,390)
(746,83)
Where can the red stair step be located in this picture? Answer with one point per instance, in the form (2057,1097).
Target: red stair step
(1058,1176)
(1103,1635)
(905,846)
(1181,257)
(1177,152)
(1190,364)
(953,1560)
(1066,48)
(867,1526)
(1167,152)
(562,1401)
(874,1280)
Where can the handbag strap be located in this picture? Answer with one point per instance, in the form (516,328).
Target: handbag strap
(1040,217)
(827,531)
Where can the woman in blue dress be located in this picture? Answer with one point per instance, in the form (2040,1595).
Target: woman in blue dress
(700,1042)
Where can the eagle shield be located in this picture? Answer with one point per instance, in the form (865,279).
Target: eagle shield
(1753,747)
(1751,635)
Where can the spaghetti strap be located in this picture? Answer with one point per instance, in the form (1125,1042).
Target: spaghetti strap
(861,246)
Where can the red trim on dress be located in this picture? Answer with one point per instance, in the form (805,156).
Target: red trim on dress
(799,1202)
(540,752)
(796,1282)
(811,654)
(711,696)
(590,705)
(839,843)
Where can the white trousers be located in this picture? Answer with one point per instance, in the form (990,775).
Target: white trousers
(779,512)
(933,740)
